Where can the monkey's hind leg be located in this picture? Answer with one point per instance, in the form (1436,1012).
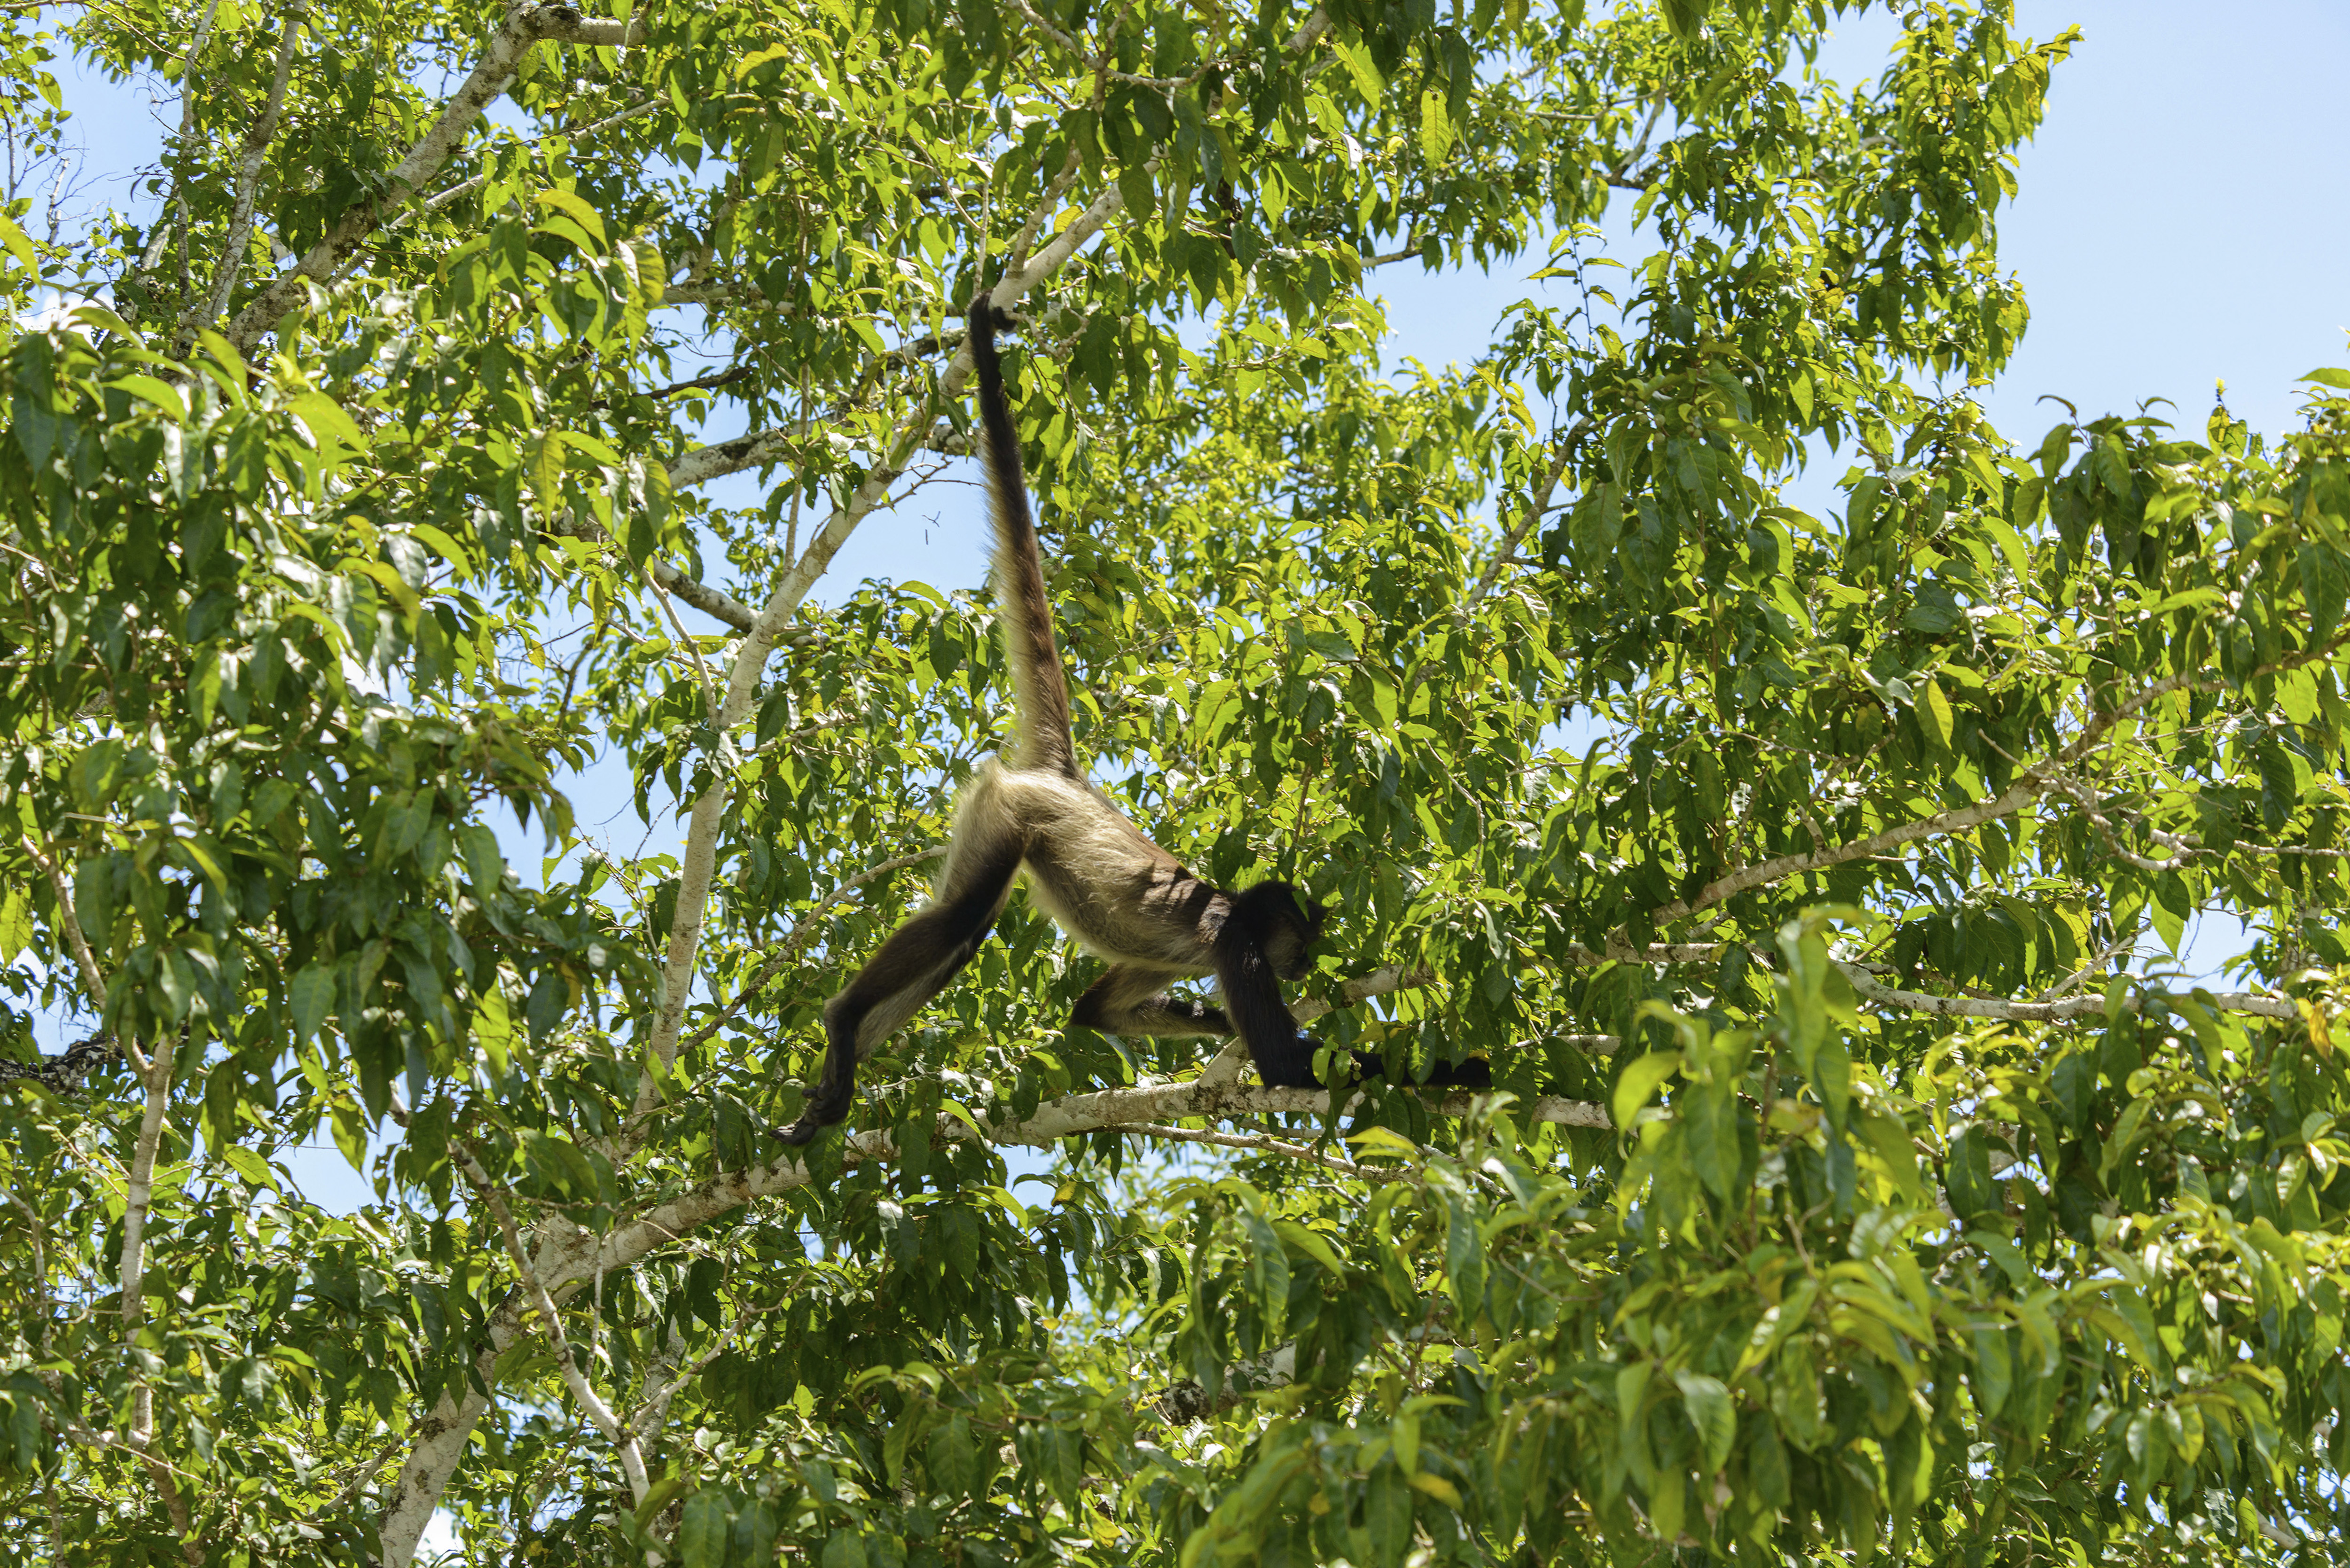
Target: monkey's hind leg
(913,966)
(1131,1000)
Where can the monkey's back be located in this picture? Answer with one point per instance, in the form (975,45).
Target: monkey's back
(1103,883)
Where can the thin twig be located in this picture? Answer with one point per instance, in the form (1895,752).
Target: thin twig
(632,1459)
(1254,1142)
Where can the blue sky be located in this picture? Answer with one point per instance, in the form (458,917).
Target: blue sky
(2182,220)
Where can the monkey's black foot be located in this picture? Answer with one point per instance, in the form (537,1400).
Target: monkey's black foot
(825,1106)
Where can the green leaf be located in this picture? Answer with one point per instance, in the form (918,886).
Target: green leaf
(1967,1176)
(1687,17)
(1642,1077)
(16,923)
(1464,1260)
(483,863)
(1711,1118)
(1313,1244)
(1707,1402)
(1435,127)
(953,1461)
(2324,583)
(2329,375)
(569,204)
(1387,1516)
(1268,1269)
(311,996)
(160,393)
(20,247)
(326,417)
(1356,55)
(248,1165)
(1934,714)
(702,1533)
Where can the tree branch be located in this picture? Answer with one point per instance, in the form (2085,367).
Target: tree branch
(177,201)
(93,978)
(138,1196)
(248,183)
(2047,1010)
(2029,784)
(2037,1012)
(527,25)
(1535,507)
(622,1437)
(715,603)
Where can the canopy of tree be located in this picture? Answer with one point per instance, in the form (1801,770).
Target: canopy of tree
(1867,1176)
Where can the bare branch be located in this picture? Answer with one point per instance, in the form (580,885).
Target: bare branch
(93,978)
(715,603)
(1256,1142)
(2065,986)
(177,203)
(464,188)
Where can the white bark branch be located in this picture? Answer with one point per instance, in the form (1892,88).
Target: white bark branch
(177,203)
(526,25)
(2038,1012)
(622,1437)
(248,183)
(138,1196)
(2031,784)
(439,1442)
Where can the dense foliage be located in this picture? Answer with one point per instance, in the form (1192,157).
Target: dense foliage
(1868,1178)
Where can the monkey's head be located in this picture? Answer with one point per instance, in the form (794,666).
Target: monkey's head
(1285,923)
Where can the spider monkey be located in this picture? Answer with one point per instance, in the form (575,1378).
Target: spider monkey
(1030,811)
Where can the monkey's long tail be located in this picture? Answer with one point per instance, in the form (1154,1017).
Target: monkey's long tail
(1040,686)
